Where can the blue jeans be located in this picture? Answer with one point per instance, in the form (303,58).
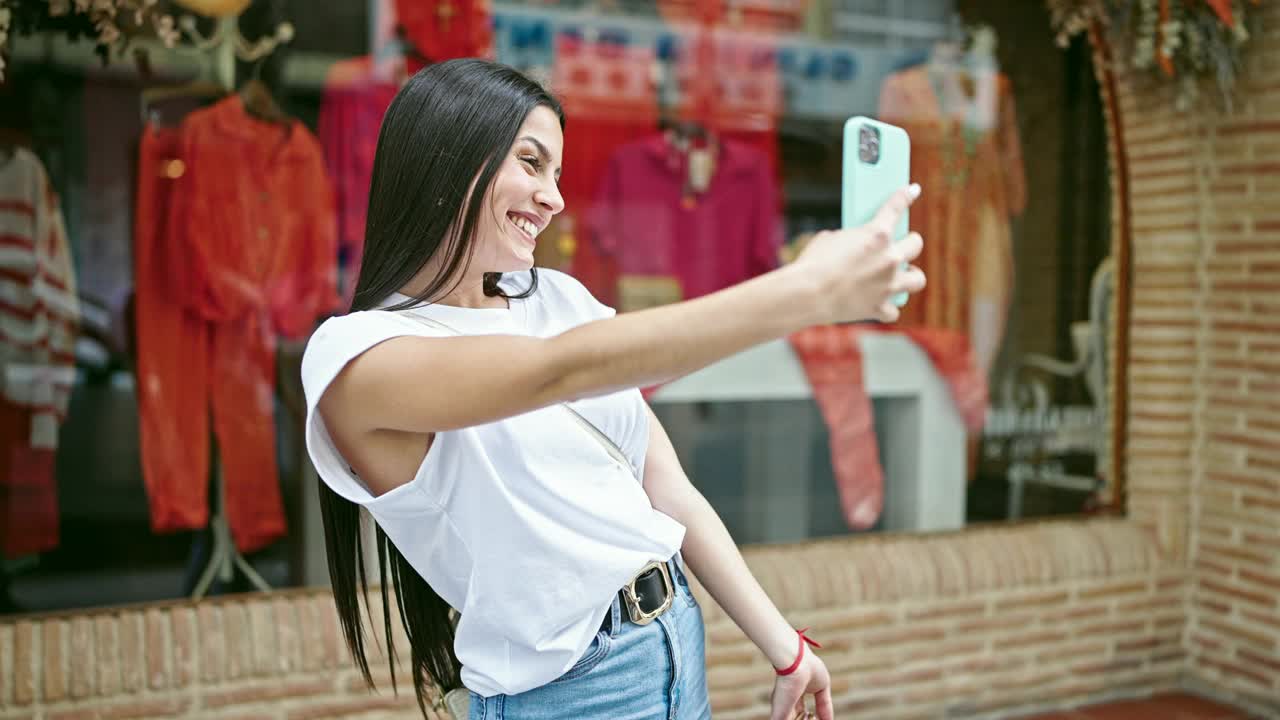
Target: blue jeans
(629,672)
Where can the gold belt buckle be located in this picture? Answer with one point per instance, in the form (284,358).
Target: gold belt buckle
(637,615)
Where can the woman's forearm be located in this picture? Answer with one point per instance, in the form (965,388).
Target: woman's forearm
(714,558)
(434,384)
(655,345)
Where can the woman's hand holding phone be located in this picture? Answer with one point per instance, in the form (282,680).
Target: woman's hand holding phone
(859,270)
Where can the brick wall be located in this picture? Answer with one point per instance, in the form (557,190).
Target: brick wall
(1204,426)
(964,625)
(1234,629)
(974,624)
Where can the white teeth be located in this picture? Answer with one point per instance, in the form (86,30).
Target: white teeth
(525,225)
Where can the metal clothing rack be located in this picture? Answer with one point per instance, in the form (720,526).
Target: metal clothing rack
(224,557)
(222,49)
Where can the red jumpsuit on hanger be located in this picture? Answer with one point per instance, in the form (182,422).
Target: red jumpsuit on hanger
(250,242)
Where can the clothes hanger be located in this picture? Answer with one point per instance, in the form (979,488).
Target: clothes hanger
(197,88)
(258,101)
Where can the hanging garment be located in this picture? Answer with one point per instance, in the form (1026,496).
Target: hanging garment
(646,217)
(832,360)
(39,314)
(974,185)
(355,99)
(173,355)
(730,83)
(446,29)
(249,236)
(28,487)
(609,100)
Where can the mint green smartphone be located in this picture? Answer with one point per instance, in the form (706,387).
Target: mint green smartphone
(877,163)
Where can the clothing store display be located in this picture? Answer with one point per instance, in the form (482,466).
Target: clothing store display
(609,100)
(969,160)
(356,96)
(532,597)
(442,30)
(172,356)
(832,361)
(39,314)
(730,84)
(248,247)
(29,509)
(653,224)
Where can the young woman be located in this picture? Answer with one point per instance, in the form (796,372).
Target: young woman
(486,415)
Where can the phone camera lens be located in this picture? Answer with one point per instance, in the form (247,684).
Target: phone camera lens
(869,145)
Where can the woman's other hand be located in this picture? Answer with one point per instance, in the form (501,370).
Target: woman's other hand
(789,691)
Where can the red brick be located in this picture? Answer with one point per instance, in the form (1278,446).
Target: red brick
(947,611)
(1238,671)
(1264,620)
(157,649)
(857,620)
(1108,629)
(330,636)
(1110,591)
(1265,483)
(1271,581)
(1247,128)
(1231,628)
(286,622)
(240,640)
(1031,601)
(1027,640)
(212,642)
(55,675)
(275,690)
(347,708)
(107,654)
(1269,660)
(25,639)
(1259,558)
(163,707)
(1213,605)
(132,659)
(1264,600)
(182,626)
(80,657)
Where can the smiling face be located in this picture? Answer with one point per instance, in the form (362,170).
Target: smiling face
(523,198)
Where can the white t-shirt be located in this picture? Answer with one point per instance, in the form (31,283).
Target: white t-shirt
(527,526)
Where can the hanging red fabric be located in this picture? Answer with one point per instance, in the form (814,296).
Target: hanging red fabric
(832,360)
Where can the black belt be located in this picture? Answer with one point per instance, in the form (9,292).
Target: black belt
(650,593)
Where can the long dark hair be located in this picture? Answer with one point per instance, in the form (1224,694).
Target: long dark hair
(451,123)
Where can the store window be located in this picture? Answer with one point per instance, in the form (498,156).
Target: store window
(178,218)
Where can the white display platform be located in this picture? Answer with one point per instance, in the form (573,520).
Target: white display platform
(923,439)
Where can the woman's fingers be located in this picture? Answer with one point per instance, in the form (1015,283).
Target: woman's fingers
(823,704)
(911,280)
(887,217)
(909,247)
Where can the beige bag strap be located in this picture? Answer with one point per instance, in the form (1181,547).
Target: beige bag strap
(609,445)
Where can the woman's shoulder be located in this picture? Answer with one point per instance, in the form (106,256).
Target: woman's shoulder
(341,338)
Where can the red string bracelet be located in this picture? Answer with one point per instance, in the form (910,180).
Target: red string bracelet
(799,656)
